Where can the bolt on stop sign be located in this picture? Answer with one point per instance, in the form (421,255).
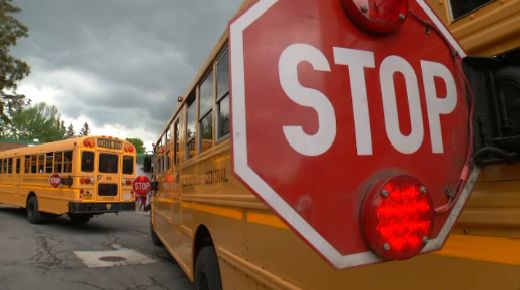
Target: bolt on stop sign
(360,141)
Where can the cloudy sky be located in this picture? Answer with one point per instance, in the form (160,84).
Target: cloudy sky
(117,64)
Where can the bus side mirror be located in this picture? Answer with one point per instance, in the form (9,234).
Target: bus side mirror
(147,163)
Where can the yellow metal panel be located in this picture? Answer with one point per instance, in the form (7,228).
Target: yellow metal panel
(489,249)
(226,212)
(491,30)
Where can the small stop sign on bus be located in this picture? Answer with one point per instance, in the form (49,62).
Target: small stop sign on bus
(142,185)
(360,141)
(55,180)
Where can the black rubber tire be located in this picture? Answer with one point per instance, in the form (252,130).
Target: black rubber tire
(33,215)
(79,219)
(207,272)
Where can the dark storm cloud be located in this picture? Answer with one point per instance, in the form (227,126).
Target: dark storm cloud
(120,62)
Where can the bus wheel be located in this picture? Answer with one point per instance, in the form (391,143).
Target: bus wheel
(33,215)
(79,219)
(207,273)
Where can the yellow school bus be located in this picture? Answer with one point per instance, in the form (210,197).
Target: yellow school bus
(223,237)
(80,177)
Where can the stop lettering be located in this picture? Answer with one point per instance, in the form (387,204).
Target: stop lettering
(357,62)
(55,180)
(330,120)
(142,185)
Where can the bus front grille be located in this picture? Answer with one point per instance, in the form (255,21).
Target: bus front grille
(105,189)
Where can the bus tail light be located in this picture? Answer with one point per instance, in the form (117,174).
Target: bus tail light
(126,182)
(397,218)
(86,180)
(377,16)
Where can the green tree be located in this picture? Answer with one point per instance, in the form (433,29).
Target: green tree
(70,131)
(85,130)
(138,144)
(12,69)
(39,121)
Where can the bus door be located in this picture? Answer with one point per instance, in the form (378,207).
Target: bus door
(108,179)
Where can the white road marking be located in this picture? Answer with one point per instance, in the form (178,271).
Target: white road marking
(118,257)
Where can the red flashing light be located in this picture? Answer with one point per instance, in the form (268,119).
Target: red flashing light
(89,142)
(377,16)
(397,218)
(86,180)
(128,148)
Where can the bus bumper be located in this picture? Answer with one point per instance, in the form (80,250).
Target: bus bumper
(100,207)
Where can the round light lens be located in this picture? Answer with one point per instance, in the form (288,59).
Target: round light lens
(377,16)
(398,218)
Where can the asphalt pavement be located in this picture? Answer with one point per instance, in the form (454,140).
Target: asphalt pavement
(110,252)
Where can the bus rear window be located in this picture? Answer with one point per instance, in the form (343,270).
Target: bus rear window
(128,165)
(108,163)
(87,161)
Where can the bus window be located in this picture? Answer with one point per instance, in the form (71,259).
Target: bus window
(222,96)
(58,161)
(18,165)
(166,142)
(206,113)
(176,136)
(87,161)
(9,165)
(1,166)
(128,165)
(34,158)
(108,163)
(168,153)
(41,163)
(190,130)
(67,162)
(460,8)
(27,165)
(223,117)
(48,162)
(168,136)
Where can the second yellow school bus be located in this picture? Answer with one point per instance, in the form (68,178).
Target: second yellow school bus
(80,177)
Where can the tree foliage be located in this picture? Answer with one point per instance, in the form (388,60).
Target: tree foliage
(39,121)
(85,130)
(12,69)
(70,131)
(138,144)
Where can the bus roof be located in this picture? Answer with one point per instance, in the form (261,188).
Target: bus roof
(55,145)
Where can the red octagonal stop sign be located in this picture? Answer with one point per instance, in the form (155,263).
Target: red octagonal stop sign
(142,185)
(324,112)
(55,180)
